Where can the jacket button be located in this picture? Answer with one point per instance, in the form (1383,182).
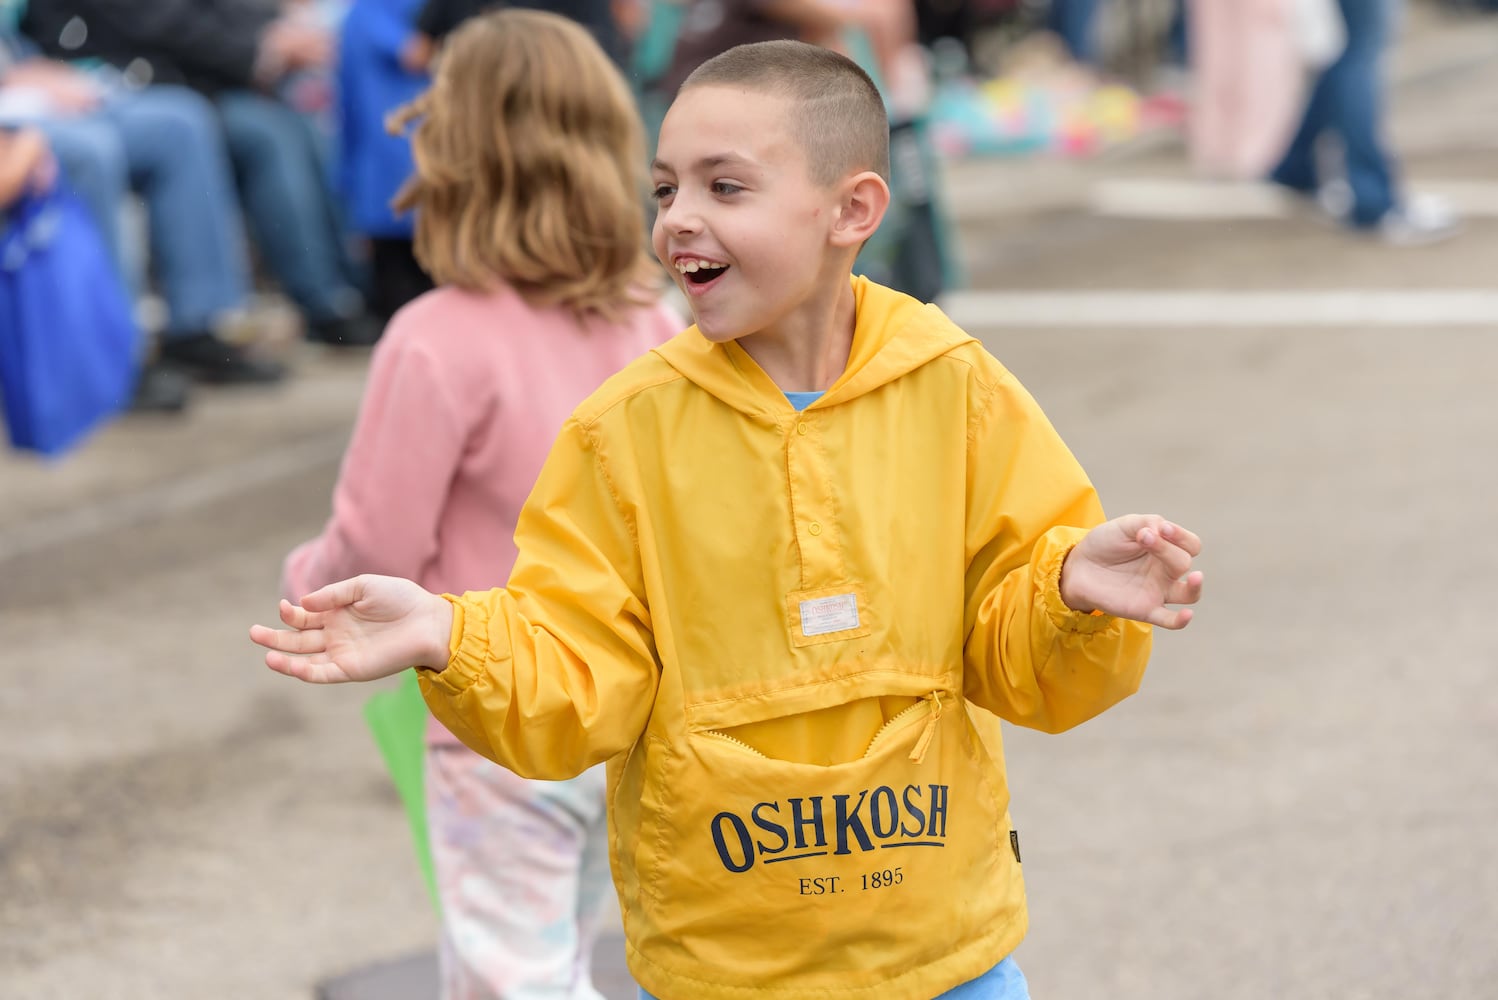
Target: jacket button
(814,528)
(802,428)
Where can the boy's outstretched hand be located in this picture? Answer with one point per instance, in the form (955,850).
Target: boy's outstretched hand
(1132,567)
(360,629)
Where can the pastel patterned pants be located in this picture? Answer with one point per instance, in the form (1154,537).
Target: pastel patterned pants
(522,871)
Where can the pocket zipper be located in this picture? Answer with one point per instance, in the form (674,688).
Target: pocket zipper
(918,754)
(922,744)
(735,741)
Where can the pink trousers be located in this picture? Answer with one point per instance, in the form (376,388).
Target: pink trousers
(1249,82)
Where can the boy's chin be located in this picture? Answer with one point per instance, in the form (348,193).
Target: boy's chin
(718,332)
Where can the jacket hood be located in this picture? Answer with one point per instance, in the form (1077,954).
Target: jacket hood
(893,334)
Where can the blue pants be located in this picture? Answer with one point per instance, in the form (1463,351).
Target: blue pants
(1348,101)
(1003,982)
(164,143)
(1075,21)
(281,168)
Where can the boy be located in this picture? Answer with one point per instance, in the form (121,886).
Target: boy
(783,573)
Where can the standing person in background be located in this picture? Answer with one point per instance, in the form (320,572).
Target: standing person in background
(529,172)
(1247,87)
(1347,102)
(238,53)
(374,78)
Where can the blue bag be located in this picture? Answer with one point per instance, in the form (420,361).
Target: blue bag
(68,341)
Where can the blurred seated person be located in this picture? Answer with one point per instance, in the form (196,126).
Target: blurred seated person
(237,52)
(26,165)
(163,144)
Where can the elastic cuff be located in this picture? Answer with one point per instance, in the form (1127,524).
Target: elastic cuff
(1048,572)
(463,667)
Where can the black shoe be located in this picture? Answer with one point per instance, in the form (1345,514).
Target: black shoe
(362,330)
(160,390)
(209,359)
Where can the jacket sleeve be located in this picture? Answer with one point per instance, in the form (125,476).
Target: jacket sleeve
(196,35)
(558,671)
(393,487)
(1029,658)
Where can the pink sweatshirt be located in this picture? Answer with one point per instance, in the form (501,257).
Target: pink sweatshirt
(466,393)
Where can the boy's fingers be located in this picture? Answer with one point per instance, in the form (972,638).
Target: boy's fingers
(1186,591)
(1166,618)
(283,664)
(1178,535)
(314,670)
(1177,560)
(335,595)
(264,636)
(1133,524)
(294,616)
(289,640)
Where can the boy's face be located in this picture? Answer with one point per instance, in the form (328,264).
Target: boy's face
(741,225)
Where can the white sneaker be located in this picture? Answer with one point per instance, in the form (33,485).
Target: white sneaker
(1420,220)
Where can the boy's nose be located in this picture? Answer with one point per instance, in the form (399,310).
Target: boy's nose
(680,217)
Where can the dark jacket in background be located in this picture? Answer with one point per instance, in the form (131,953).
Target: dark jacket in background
(439,17)
(206,44)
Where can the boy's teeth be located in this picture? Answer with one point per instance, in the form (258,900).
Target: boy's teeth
(693,266)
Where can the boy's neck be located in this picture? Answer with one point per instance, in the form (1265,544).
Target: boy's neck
(808,349)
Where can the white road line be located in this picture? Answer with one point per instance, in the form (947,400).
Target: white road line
(974,310)
(213,484)
(1202,310)
(1198,200)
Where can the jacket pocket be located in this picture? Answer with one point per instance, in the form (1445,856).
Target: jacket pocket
(832,735)
(774,871)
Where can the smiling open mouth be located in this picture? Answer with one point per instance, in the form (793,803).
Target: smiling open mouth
(700,272)
(703,275)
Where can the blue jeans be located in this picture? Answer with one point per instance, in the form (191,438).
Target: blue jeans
(1076,22)
(164,143)
(279,163)
(1348,101)
(1003,982)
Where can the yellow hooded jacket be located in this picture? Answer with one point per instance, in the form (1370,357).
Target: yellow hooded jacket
(790,634)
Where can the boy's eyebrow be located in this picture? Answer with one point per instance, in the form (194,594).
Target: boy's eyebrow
(708,162)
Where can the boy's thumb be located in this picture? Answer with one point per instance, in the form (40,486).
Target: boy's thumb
(334,595)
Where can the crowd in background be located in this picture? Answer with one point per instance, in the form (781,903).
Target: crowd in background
(225,146)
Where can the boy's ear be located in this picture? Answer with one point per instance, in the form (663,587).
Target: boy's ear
(865,199)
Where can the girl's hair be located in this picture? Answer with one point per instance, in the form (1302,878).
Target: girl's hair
(529,166)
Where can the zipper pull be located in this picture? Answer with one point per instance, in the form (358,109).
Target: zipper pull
(924,743)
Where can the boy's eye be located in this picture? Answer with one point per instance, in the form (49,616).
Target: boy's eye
(662,191)
(724,187)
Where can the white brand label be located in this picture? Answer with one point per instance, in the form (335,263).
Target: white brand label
(829,614)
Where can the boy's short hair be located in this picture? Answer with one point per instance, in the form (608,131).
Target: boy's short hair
(840,118)
(529,159)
